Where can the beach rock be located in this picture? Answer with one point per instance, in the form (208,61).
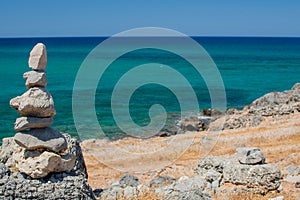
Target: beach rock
(297,184)
(129,180)
(21,187)
(35,79)
(38,57)
(184,188)
(8,150)
(212,112)
(166,133)
(266,177)
(36,102)
(194,124)
(274,104)
(45,138)
(210,163)
(227,169)
(187,195)
(162,181)
(250,156)
(24,123)
(39,165)
(277,198)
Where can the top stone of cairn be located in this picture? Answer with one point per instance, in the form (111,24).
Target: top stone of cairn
(38,57)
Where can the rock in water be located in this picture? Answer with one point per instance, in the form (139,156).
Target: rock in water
(36,102)
(38,57)
(45,138)
(24,123)
(35,79)
(250,156)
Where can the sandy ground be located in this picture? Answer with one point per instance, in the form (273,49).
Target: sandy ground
(178,155)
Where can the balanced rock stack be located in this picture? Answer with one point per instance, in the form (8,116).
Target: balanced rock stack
(45,149)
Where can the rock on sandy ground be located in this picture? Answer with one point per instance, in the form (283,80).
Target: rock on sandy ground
(278,139)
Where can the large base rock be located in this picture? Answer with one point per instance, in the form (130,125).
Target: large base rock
(17,157)
(64,185)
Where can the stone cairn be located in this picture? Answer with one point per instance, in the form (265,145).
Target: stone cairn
(45,149)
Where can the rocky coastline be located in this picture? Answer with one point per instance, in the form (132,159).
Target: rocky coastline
(255,155)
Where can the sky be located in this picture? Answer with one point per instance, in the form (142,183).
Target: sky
(51,18)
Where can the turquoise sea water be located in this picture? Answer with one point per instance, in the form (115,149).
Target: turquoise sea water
(250,67)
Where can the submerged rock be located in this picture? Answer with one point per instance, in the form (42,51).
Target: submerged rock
(36,102)
(38,57)
(24,123)
(44,138)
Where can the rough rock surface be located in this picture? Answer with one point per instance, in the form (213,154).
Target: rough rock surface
(129,180)
(38,57)
(274,104)
(194,124)
(36,102)
(250,156)
(23,123)
(66,185)
(39,165)
(184,188)
(260,178)
(162,181)
(35,79)
(44,138)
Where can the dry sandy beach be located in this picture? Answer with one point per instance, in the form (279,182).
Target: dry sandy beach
(279,139)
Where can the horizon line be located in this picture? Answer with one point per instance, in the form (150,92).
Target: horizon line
(95,36)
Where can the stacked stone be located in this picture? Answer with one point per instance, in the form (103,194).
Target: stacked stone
(44,147)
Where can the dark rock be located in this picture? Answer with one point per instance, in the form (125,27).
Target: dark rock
(212,112)
(129,180)
(297,184)
(44,138)
(162,181)
(97,192)
(194,124)
(166,133)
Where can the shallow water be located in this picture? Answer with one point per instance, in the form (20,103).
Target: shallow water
(250,67)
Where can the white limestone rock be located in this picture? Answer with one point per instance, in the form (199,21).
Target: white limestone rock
(36,102)
(38,57)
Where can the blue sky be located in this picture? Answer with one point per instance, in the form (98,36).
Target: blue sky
(30,18)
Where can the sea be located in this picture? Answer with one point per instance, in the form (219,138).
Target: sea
(249,67)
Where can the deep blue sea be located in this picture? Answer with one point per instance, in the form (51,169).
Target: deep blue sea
(250,67)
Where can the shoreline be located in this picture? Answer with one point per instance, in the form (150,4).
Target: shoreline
(277,135)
